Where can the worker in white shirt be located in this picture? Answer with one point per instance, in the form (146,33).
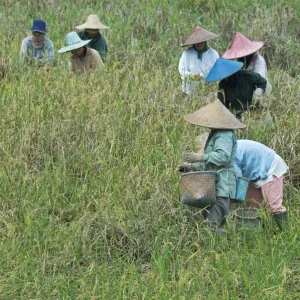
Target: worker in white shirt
(196,61)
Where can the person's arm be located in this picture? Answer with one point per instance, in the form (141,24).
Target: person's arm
(103,50)
(183,66)
(188,167)
(260,82)
(48,54)
(259,90)
(213,58)
(260,66)
(222,149)
(198,166)
(24,50)
(217,55)
(237,169)
(96,61)
(101,47)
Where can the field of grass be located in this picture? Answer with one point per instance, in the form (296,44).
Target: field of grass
(89,196)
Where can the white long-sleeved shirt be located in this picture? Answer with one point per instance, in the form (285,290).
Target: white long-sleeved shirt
(43,54)
(258,65)
(278,168)
(190,64)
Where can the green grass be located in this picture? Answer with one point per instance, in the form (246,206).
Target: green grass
(89,193)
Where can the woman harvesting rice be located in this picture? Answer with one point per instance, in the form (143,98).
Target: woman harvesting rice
(37,47)
(196,61)
(219,155)
(265,169)
(90,30)
(83,59)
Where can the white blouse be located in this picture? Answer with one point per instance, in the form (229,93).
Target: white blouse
(190,64)
(278,168)
(258,65)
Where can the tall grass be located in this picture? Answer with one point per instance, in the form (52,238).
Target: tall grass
(89,193)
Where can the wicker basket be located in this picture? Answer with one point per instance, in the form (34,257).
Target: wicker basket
(247,217)
(242,184)
(200,141)
(198,188)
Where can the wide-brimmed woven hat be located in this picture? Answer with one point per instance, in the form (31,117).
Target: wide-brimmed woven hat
(241,47)
(215,116)
(92,22)
(199,35)
(222,69)
(39,25)
(73,42)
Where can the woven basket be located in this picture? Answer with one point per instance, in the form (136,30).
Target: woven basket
(200,141)
(242,184)
(247,217)
(198,188)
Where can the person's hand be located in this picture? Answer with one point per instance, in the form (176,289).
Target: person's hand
(258,92)
(185,167)
(33,61)
(257,98)
(195,76)
(192,157)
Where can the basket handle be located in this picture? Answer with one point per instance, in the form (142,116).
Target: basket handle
(221,170)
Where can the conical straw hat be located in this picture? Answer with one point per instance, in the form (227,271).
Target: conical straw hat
(222,69)
(92,22)
(199,35)
(215,116)
(241,47)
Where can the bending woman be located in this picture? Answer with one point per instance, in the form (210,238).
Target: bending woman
(265,169)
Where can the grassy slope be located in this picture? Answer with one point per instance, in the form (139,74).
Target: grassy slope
(89,195)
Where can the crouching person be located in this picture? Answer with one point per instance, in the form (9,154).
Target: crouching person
(218,155)
(237,87)
(37,47)
(90,30)
(265,169)
(83,59)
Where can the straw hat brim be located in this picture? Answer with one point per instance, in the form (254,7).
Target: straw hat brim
(214,116)
(41,31)
(73,47)
(199,36)
(88,25)
(233,53)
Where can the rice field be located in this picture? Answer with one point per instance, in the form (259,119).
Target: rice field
(89,195)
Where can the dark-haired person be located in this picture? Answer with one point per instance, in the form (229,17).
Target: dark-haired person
(37,47)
